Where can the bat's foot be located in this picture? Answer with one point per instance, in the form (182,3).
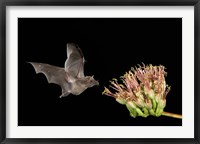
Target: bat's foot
(64,94)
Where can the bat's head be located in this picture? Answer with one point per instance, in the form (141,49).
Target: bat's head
(90,81)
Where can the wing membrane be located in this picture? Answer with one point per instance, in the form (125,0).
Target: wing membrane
(74,64)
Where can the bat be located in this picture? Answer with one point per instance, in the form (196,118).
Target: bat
(71,77)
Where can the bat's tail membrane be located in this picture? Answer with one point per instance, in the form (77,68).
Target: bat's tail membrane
(65,90)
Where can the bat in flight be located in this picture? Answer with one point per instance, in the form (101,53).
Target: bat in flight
(71,78)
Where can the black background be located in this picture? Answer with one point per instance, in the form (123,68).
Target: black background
(111,47)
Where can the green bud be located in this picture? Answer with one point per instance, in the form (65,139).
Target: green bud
(145,110)
(121,100)
(151,94)
(162,103)
(132,110)
(140,113)
(154,104)
(134,115)
(159,109)
(152,112)
(132,104)
(160,112)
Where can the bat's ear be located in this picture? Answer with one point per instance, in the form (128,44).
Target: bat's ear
(68,44)
(72,44)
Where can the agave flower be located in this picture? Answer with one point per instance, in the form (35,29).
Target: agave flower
(143,91)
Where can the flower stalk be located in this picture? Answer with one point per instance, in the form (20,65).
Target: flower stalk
(143,91)
(172,115)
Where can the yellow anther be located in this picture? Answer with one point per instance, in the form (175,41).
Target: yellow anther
(114,79)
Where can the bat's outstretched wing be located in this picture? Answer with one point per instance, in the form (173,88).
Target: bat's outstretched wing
(74,64)
(53,74)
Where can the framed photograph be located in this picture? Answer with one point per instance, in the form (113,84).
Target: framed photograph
(99,72)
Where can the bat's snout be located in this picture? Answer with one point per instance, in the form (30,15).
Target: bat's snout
(96,83)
